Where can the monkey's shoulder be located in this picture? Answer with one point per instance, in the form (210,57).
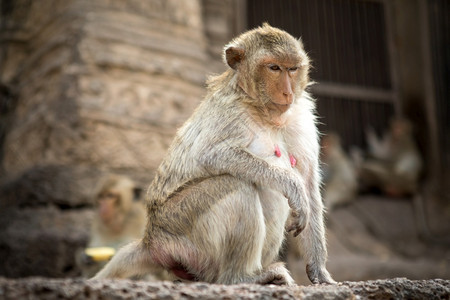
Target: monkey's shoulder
(210,124)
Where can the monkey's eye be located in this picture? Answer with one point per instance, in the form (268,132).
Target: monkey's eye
(292,70)
(274,67)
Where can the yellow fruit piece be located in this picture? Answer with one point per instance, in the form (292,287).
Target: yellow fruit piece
(100,253)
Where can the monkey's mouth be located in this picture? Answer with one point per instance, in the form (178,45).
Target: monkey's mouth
(280,107)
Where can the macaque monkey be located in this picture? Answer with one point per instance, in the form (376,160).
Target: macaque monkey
(120,213)
(395,163)
(119,218)
(340,180)
(247,158)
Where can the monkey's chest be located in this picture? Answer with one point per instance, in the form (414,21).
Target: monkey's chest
(273,149)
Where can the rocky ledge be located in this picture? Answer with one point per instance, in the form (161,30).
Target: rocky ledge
(45,288)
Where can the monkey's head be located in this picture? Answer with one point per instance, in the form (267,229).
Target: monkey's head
(271,66)
(330,141)
(400,127)
(331,146)
(115,196)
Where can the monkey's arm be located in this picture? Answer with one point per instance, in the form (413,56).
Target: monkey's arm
(313,239)
(304,136)
(238,162)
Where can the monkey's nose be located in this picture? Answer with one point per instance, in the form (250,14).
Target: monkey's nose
(288,97)
(287,92)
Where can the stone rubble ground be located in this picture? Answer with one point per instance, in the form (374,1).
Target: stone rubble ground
(45,288)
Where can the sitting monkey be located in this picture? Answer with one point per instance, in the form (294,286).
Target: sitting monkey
(341,184)
(119,219)
(395,162)
(246,159)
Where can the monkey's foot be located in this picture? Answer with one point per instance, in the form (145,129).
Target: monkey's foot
(318,275)
(276,274)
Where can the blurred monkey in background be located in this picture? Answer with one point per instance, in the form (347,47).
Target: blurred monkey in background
(120,216)
(394,163)
(119,219)
(340,181)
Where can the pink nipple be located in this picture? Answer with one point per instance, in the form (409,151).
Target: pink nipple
(277,151)
(292,160)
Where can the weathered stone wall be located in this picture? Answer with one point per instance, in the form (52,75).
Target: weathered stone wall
(41,38)
(103,83)
(143,76)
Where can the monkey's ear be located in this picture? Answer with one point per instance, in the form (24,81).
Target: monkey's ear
(137,191)
(234,56)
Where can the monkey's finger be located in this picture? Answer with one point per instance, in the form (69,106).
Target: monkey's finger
(298,231)
(296,228)
(290,228)
(295,214)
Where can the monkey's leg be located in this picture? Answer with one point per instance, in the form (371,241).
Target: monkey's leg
(218,233)
(276,211)
(253,243)
(131,260)
(229,235)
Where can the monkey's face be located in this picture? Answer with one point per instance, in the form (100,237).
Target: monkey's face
(400,128)
(108,203)
(272,67)
(278,82)
(329,144)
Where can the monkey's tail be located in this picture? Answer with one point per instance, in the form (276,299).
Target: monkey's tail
(131,260)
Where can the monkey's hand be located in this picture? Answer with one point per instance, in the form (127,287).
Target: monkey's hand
(298,223)
(318,274)
(299,208)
